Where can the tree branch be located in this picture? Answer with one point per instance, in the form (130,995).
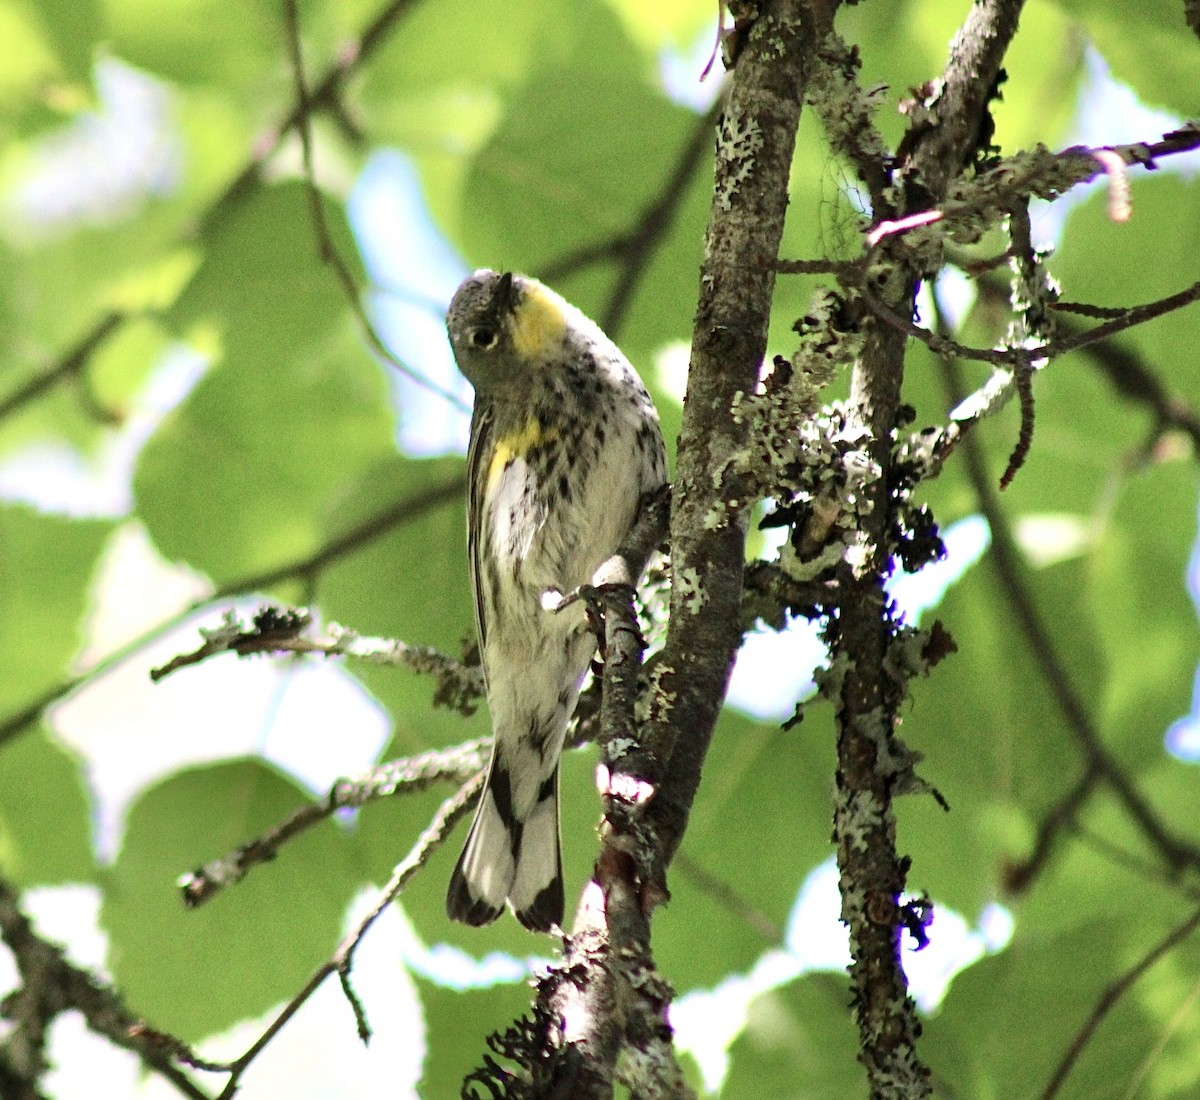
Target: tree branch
(341,962)
(407,775)
(867,680)
(1005,557)
(1108,999)
(460,686)
(69,365)
(51,985)
(304,568)
(708,524)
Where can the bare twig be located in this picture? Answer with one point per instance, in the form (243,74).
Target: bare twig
(1128,373)
(326,248)
(729,898)
(404,776)
(341,962)
(306,568)
(69,365)
(51,985)
(1108,999)
(325,95)
(1024,357)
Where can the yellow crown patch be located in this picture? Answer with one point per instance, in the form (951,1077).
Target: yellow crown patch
(538,322)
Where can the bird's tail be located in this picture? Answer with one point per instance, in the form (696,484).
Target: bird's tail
(510,860)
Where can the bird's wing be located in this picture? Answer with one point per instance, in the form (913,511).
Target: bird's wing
(478,461)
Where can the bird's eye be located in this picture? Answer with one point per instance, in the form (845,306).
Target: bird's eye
(484,338)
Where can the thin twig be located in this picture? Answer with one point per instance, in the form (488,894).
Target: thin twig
(448,815)
(326,248)
(1128,373)
(325,95)
(728,898)
(305,568)
(51,985)
(69,365)
(1108,999)
(1061,816)
(1182,1014)
(408,775)
(652,227)
(1005,557)
(276,631)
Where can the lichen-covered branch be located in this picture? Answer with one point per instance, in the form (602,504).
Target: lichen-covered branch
(867,679)
(712,493)
(51,985)
(284,630)
(403,776)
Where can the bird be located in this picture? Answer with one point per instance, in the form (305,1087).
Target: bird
(565,445)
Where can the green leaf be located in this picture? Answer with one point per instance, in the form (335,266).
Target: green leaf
(253,470)
(252,946)
(761,821)
(47,563)
(411,579)
(995,745)
(457,1025)
(1148,46)
(1142,613)
(184,46)
(798,1040)
(45,814)
(28,66)
(1008,1020)
(262,287)
(74,29)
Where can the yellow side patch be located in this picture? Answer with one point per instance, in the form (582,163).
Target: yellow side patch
(516,445)
(538,322)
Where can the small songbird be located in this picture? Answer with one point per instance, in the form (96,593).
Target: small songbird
(565,443)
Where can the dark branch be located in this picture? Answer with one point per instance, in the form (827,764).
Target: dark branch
(635,247)
(1108,999)
(50,985)
(326,248)
(1005,558)
(69,365)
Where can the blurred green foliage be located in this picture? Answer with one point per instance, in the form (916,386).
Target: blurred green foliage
(539,130)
